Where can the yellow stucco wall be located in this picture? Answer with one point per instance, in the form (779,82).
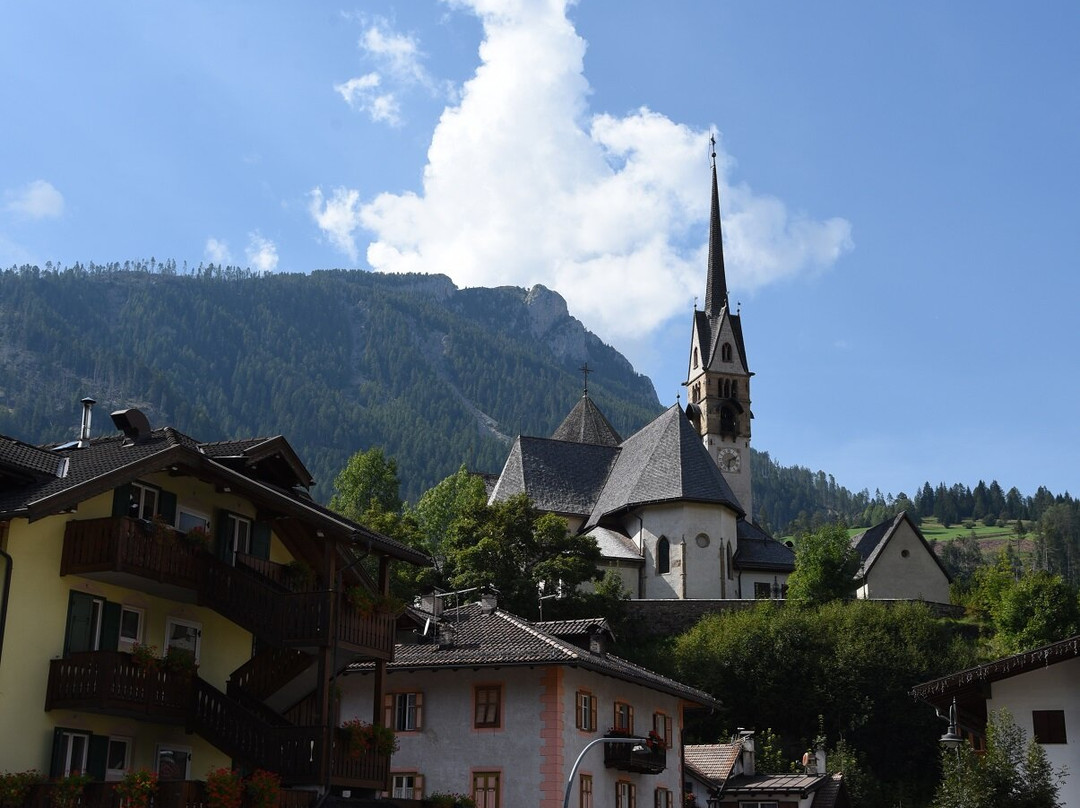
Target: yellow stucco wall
(36,624)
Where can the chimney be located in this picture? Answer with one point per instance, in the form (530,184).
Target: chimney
(746,737)
(597,641)
(819,754)
(489,601)
(84,429)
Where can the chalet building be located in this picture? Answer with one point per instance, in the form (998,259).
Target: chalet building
(898,563)
(491,705)
(671,507)
(177,606)
(1039,688)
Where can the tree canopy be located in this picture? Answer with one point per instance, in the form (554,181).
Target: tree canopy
(825,567)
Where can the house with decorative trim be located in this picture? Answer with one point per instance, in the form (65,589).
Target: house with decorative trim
(1040,689)
(494,706)
(671,506)
(899,563)
(177,605)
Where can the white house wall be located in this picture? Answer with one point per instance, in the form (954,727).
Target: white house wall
(1052,688)
(916,575)
(538,710)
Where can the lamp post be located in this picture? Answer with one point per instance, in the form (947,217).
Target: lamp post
(640,747)
(951,739)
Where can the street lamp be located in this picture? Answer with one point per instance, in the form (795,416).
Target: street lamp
(640,746)
(951,739)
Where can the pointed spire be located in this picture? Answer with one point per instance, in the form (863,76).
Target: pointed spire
(716,296)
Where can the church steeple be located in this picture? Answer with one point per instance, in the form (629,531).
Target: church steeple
(716,296)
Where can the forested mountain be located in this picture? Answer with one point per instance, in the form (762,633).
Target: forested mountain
(336,361)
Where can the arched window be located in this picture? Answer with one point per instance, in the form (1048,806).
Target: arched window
(735,389)
(730,572)
(725,351)
(727,389)
(695,357)
(663,555)
(727,421)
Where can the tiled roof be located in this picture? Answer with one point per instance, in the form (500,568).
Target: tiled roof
(713,761)
(587,424)
(760,551)
(559,476)
(828,795)
(665,461)
(614,544)
(497,638)
(22,459)
(871,542)
(573,628)
(111,461)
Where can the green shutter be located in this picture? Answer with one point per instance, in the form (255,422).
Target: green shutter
(260,540)
(121,504)
(223,538)
(167,506)
(110,626)
(56,766)
(80,624)
(97,756)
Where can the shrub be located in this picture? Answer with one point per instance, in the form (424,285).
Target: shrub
(137,788)
(441,799)
(367,738)
(15,787)
(263,789)
(145,656)
(224,788)
(67,791)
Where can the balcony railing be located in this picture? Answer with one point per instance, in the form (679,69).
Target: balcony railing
(243,594)
(623,757)
(110,682)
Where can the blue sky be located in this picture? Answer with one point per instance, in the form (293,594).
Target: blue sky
(898,181)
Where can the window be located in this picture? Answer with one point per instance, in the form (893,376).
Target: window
(758,805)
(407,786)
(144,501)
(585,791)
(727,420)
(72,748)
(585,711)
(663,798)
(725,352)
(661,725)
(663,556)
(1049,726)
(727,555)
(695,357)
(485,790)
(183,634)
(487,699)
(762,590)
(187,519)
(404,711)
(624,718)
(173,762)
(238,534)
(131,622)
(117,758)
(625,795)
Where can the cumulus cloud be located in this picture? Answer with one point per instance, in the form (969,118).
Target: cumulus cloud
(261,253)
(37,200)
(398,68)
(217,251)
(525,185)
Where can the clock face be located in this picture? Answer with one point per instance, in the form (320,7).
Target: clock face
(729,460)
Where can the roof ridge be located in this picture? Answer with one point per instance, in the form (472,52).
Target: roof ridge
(526,625)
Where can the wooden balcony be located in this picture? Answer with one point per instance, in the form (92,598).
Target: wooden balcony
(133,553)
(623,757)
(110,682)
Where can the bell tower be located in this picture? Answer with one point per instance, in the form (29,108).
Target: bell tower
(718,377)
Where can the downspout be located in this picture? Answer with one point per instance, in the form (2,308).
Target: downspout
(641,551)
(8,562)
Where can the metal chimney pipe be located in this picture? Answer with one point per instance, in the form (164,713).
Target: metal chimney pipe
(84,430)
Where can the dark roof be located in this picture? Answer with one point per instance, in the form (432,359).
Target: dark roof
(871,542)
(559,476)
(573,628)
(716,294)
(939,691)
(829,794)
(775,783)
(108,462)
(586,424)
(663,462)
(615,544)
(21,462)
(760,551)
(496,638)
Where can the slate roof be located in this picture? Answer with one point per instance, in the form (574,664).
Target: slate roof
(111,461)
(613,544)
(559,476)
(663,462)
(871,542)
(760,551)
(712,761)
(497,639)
(587,424)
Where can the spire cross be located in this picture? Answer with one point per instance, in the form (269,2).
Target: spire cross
(585,372)
(712,148)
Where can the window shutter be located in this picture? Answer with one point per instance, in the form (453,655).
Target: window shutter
(222,537)
(630,718)
(577,709)
(388,711)
(418,787)
(260,540)
(96,758)
(121,503)
(78,636)
(56,766)
(592,713)
(419,711)
(110,627)
(166,506)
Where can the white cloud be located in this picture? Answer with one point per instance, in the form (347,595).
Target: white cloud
(361,94)
(37,200)
(217,252)
(524,185)
(261,253)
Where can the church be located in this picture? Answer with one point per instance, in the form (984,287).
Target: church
(671,506)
